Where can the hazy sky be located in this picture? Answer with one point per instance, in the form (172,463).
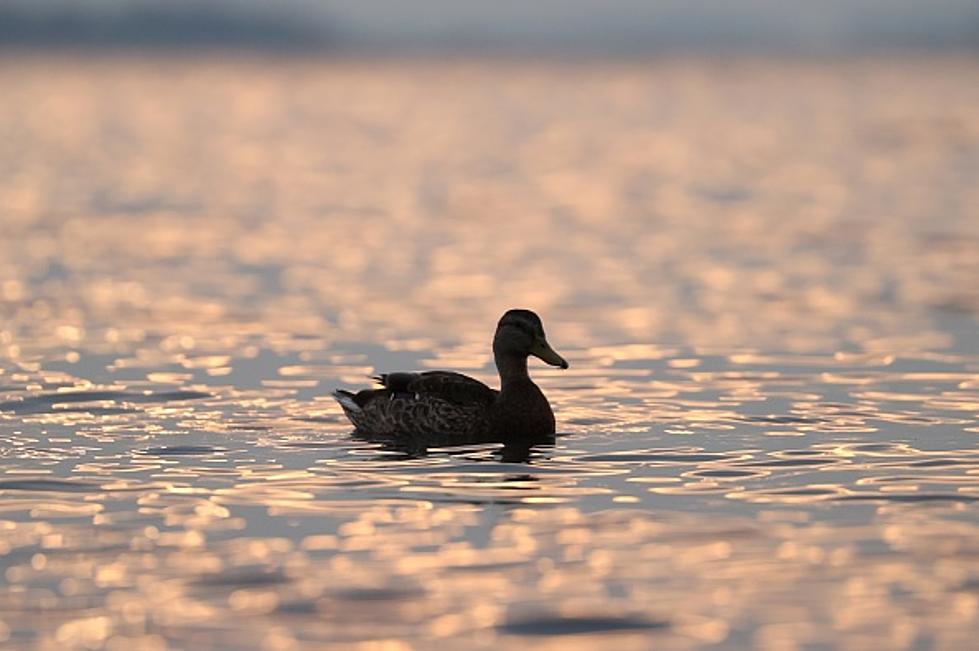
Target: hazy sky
(667,22)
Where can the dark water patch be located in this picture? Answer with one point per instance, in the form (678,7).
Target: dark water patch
(249,577)
(794,495)
(297,607)
(79,552)
(793,463)
(712,535)
(725,474)
(66,606)
(910,498)
(182,450)
(892,479)
(485,568)
(49,485)
(725,195)
(661,457)
(788,420)
(97,411)
(896,448)
(378,594)
(940,463)
(800,492)
(321,419)
(588,421)
(45,403)
(52,386)
(558,625)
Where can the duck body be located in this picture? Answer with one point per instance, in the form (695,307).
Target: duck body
(448,408)
(440,405)
(521,412)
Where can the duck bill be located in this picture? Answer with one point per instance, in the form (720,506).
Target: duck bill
(542,350)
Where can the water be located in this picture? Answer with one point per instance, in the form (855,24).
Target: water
(764,275)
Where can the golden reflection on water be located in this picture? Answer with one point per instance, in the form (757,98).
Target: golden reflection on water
(764,275)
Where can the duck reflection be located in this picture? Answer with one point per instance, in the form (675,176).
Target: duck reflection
(522,452)
(414,446)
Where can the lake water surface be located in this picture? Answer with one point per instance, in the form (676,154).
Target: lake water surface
(765,276)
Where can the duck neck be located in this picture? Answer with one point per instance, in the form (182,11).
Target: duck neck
(512,368)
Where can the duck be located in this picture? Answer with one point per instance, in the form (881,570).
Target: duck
(444,408)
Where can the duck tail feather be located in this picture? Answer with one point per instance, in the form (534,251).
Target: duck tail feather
(347,400)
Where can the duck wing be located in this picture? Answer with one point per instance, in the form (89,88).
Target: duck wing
(449,386)
(434,407)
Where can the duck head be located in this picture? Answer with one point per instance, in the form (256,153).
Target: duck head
(520,333)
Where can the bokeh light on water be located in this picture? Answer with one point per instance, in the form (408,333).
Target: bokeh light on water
(765,276)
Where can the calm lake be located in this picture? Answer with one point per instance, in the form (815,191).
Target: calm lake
(764,274)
